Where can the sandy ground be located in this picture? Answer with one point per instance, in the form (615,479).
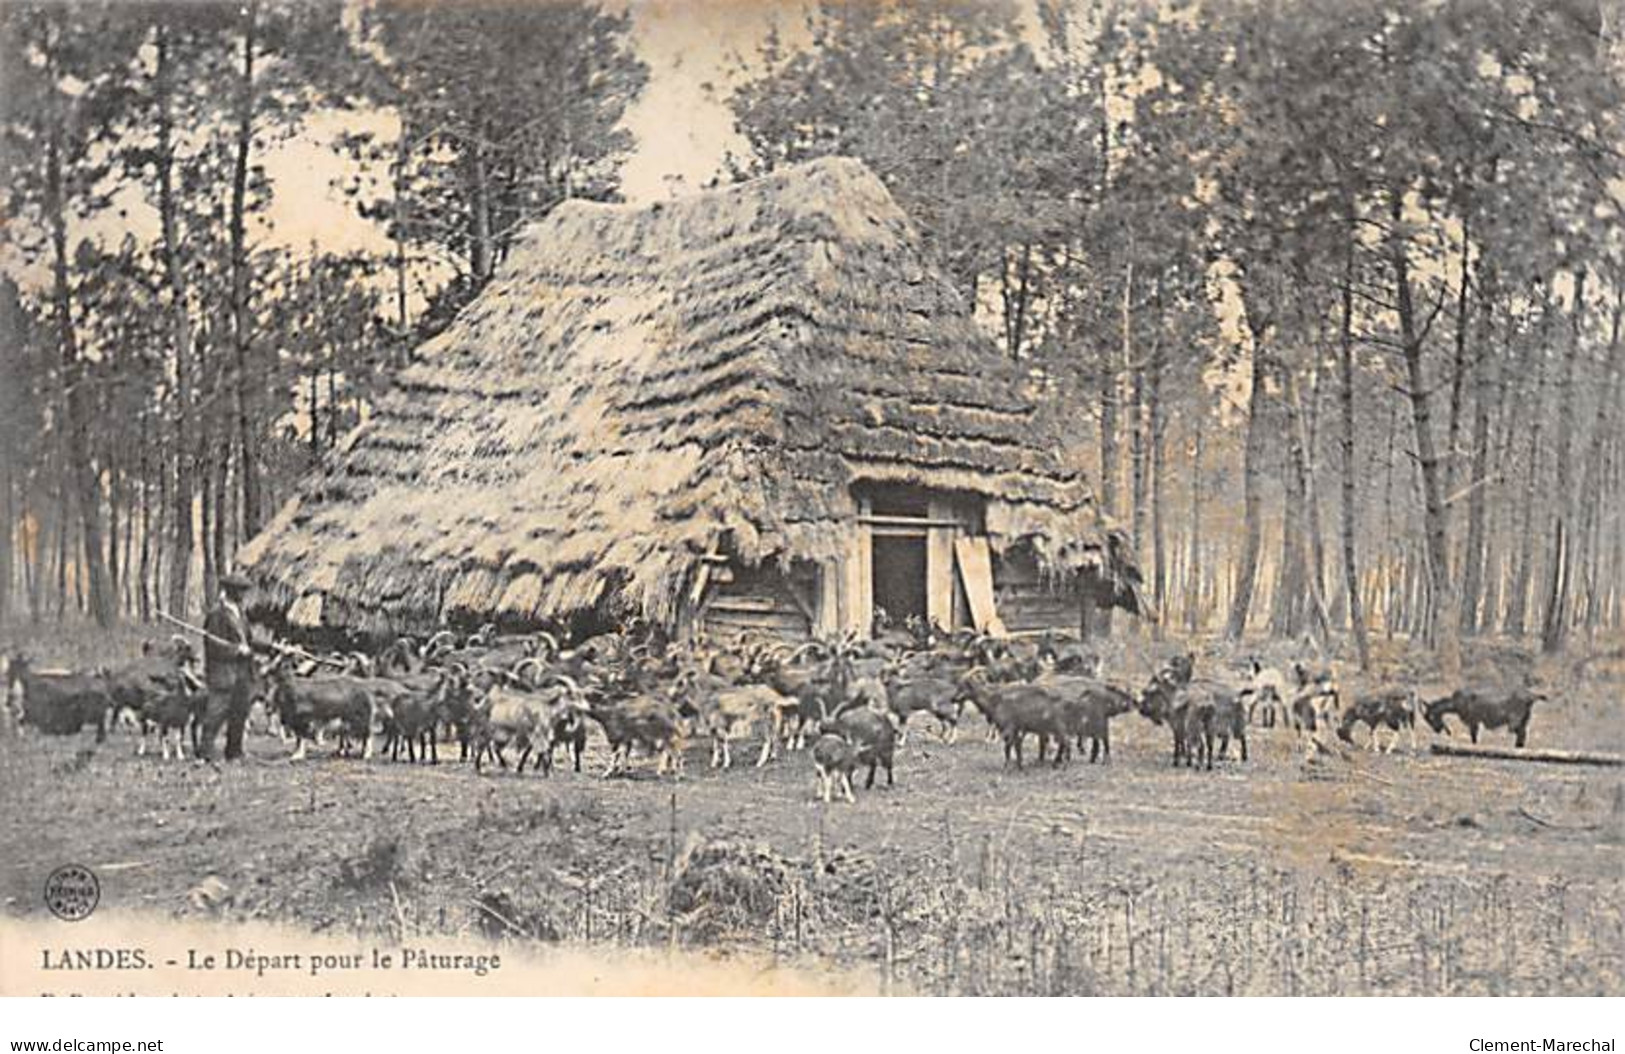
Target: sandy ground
(1130,876)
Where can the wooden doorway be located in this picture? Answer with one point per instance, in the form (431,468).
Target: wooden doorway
(899,576)
(901,558)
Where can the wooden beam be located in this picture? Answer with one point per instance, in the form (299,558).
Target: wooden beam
(1561,757)
(934,520)
(702,573)
(828,622)
(866,577)
(744,602)
(939,565)
(696,591)
(857,577)
(880,530)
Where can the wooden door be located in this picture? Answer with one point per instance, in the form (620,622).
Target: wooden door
(975,562)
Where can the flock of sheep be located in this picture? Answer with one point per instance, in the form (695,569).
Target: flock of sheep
(850,701)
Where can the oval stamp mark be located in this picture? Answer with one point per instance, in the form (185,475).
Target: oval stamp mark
(72,892)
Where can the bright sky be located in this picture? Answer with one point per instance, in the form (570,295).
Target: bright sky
(681,125)
(681,122)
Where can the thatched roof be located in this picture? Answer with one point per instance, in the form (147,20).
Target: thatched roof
(636,381)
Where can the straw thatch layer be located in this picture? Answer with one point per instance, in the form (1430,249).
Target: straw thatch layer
(637,381)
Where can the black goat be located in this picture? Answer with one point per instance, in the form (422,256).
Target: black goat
(1393,709)
(1477,710)
(60,704)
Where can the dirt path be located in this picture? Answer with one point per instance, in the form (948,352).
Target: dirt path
(337,844)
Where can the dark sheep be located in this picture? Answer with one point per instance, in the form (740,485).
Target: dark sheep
(1393,709)
(1477,710)
(61,704)
(872,734)
(835,758)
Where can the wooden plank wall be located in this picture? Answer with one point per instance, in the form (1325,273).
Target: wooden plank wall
(1028,604)
(758,602)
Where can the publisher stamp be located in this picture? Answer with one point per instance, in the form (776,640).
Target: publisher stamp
(72,892)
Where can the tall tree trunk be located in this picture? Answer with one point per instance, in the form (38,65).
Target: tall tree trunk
(76,411)
(1390,550)
(1111,357)
(180,329)
(1617,561)
(1459,368)
(77,542)
(8,535)
(160,519)
(332,400)
(34,565)
(1159,558)
(1594,484)
(1555,630)
(132,580)
(1444,623)
(143,577)
(1475,556)
(1312,604)
(115,482)
(207,505)
(1015,291)
(1557,586)
(63,505)
(1501,535)
(1137,467)
(222,509)
(315,418)
(241,321)
(1193,611)
(1252,500)
(1286,618)
(1311,487)
(1518,600)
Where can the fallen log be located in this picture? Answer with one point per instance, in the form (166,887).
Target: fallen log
(1560,757)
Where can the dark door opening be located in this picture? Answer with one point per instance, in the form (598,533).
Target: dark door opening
(899,578)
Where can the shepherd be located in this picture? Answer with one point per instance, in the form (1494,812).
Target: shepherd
(228,669)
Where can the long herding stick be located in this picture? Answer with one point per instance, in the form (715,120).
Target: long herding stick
(298,653)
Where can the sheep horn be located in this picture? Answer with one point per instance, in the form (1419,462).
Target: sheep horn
(569,683)
(518,668)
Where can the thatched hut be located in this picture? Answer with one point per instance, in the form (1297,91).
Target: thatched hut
(757,408)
